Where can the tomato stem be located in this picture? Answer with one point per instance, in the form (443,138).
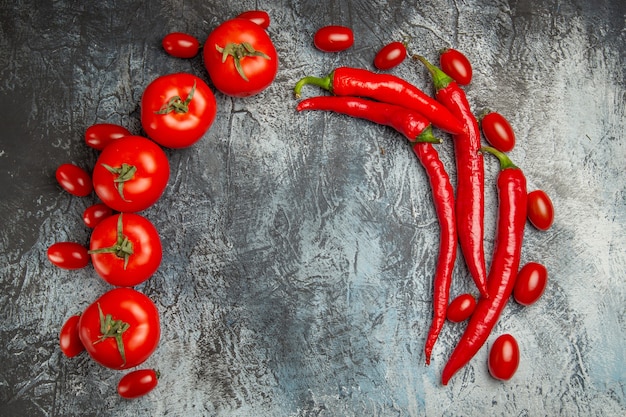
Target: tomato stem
(124,173)
(177,104)
(112,328)
(239,51)
(122,248)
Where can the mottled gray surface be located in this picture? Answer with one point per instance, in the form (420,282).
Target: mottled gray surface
(299,248)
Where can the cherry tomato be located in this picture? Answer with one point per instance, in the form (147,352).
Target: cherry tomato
(504,357)
(68,255)
(138,383)
(530,283)
(259,17)
(181,45)
(131,174)
(333,38)
(240,58)
(95,213)
(540,210)
(498,131)
(390,56)
(69,339)
(177,110)
(125,249)
(461,308)
(74,180)
(456,65)
(121,329)
(98,136)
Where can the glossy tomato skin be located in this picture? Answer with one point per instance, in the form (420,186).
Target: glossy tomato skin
(258,71)
(144,187)
(69,339)
(140,339)
(530,283)
(181,45)
(390,56)
(333,38)
(98,136)
(461,308)
(137,383)
(74,180)
(456,65)
(498,131)
(260,17)
(141,264)
(504,357)
(172,128)
(95,213)
(68,255)
(540,210)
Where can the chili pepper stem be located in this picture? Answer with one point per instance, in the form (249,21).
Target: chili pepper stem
(440,78)
(323,82)
(505,161)
(427,136)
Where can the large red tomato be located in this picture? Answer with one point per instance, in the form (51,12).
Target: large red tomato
(240,58)
(121,329)
(177,110)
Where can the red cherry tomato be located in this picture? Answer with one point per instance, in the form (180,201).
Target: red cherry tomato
(74,180)
(98,136)
(498,131)
(530,283)
(69,339)
(461,308)
(180,45)
(259,17)
(95,213)
(177,110)
(121,329)
(333,38)
(240,58)
(138,383)
(456,65)
(68,255)
(390,56)
(504,357)
(540,210)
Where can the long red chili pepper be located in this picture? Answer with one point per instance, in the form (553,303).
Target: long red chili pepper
(470,207)
(387,88)
(511,187)
(416,128)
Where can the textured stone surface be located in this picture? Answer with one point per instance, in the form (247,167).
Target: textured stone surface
(299,248)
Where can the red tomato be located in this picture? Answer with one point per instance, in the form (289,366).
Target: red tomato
(98,136)
(504,357)
(131,174)
(120,329)
(530,283)
(68,255)
(259,17)
(390,56)
(461,308)
(69,339)
(74,180)
(498,131)
(456,65)
(540,210)
(125,249)
(180,45)
(177,110)
(240,58)
(138,383)
(95,213)
(333,38)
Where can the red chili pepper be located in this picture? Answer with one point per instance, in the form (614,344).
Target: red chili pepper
(387,88)
(470,206)
(506,259)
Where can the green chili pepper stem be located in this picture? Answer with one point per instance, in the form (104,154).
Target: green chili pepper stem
(427,136)
(505,161)
(440,78)
(326,83)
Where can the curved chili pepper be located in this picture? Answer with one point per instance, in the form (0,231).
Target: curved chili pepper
(511,187)
(470,206)
(387,88)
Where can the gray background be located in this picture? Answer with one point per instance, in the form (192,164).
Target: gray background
(299,249)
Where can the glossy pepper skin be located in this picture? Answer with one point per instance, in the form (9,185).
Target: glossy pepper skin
(512,196)
(386,88)
(470,205)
